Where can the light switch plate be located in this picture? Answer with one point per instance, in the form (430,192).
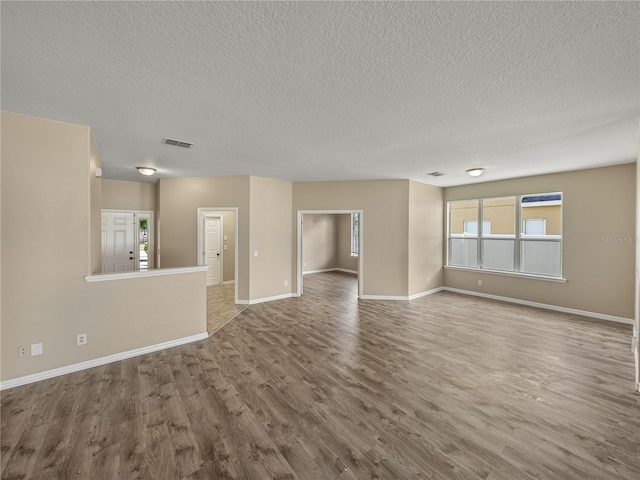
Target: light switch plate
(36,349)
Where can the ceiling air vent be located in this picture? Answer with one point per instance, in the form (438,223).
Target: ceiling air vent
(436,174)
(177,143)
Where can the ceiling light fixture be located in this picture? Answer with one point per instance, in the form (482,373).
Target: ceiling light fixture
(475,172)
(146,170)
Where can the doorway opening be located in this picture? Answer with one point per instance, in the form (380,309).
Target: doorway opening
(330,241)
(217,248)
(127,240)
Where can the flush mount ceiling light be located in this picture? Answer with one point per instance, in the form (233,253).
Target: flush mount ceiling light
(475,172)
(146,170)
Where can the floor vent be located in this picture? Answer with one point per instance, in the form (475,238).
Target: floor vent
(177,143)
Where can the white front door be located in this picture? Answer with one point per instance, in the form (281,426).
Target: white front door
(118,242)
(212,233)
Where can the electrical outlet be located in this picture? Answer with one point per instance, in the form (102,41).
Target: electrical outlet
(23,351)
(286,283)
(479,283)
(427,279)
(81,339)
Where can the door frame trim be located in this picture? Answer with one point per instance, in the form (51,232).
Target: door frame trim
(201,213)
(136,234)
(360,247)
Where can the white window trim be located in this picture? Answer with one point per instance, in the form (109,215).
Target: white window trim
(518,237)
(352,243)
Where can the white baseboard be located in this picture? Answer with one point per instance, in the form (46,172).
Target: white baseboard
(56,372)
(228,282)
(584,313)
(324,270)
(319,271)
(346,271)
(382,297)
(270,299)
(425,293)
(401,297)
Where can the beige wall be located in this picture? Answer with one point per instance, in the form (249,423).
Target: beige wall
(48,170)
(178,203)
(327,243)
(95,202)
(385,226)
(229,255)
(346,261)
(319,242)
(597,262)
(264,224)
(119,195)
(271,236)
(425,237)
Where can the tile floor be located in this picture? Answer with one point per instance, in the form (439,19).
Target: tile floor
(220,306)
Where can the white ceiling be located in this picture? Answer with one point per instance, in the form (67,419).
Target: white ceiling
(333,91)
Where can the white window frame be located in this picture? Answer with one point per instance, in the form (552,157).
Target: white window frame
(519,236)
(355,238)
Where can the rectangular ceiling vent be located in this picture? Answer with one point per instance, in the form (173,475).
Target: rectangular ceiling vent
(177,143)
(436,174)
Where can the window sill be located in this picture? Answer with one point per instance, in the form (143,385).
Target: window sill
(509,274)
(354,254)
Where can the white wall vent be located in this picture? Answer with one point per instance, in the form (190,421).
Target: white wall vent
(177,143)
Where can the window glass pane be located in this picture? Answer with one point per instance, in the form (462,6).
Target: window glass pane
(542,214)
(463,213)
(498,253)
(499,215)
(541,257)
(355,233)
(463,252)
(471,228)
(463,233)
(536,226)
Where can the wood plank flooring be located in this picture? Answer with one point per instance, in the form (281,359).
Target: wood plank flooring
(329,387)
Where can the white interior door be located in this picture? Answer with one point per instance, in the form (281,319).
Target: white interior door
(118,242)
(212,237)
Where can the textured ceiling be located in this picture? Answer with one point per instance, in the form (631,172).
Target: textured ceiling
(333,91)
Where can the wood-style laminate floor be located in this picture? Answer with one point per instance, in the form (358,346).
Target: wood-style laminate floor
(329,387)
